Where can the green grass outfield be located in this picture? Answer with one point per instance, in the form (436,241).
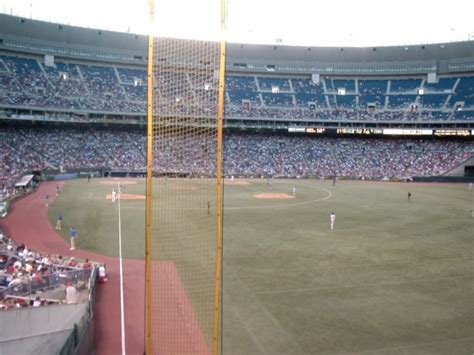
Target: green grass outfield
(392,277)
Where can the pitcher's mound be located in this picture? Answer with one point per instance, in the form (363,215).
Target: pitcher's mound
(115,182)
(127,197)
(273,196)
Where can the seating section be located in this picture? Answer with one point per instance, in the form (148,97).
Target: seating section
(372,86)
(348,85)
(244,154)
(282,100)
(433,101)
(372,99)
(435,115)
(32,279)
(443,85)
(401,101)
(264,155)
(404,85)
(89,88)
(464,92)
(346,101)
(266,84)
(238,97)
(464,115)
(130,76)
(307,92)
(28,149)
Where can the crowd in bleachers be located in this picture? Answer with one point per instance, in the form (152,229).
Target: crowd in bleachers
(25,149)
(282,156)
(32,279)
(28,82)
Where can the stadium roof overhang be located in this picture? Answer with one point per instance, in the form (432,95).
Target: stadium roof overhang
(18,34)
(24,181)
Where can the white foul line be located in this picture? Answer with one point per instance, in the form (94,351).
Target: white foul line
(122,313)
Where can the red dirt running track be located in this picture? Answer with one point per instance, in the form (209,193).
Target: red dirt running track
(28,223)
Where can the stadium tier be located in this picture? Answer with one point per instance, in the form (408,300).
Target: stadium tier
(27,82)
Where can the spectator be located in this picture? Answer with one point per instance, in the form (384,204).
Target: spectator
(37,302)
(102,274)
(71,294)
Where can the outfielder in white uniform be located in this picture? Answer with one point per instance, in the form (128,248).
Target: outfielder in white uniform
(114,195)
(333,219)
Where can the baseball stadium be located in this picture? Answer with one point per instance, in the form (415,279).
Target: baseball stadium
(173,195)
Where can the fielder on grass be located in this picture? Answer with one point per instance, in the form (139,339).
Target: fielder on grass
(332,219)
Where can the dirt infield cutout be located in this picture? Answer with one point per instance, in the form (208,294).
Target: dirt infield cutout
(267,195)
(184,188)
(236,182)
(115,182)
(127,197)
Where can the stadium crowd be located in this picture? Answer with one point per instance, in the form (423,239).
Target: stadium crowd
(290,156)
(23,149)
(29,278)
(26,149)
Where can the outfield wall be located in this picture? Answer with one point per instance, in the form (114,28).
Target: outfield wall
(41,330)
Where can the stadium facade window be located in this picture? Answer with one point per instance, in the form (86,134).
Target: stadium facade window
(67,51)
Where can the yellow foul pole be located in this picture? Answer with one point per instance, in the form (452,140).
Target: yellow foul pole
(220,125)
(149,191)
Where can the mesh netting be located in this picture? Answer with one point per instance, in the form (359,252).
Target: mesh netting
(184,195)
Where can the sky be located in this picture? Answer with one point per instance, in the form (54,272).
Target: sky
(341,23)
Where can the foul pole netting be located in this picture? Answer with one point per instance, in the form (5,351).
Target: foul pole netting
(184,195)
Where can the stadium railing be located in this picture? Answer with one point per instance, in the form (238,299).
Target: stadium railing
(81,339)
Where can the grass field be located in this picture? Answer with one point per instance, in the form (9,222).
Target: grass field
(392,277)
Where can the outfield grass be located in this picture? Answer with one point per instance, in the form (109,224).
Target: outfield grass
(392,277)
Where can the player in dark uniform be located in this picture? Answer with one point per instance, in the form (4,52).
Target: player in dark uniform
(409,196)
